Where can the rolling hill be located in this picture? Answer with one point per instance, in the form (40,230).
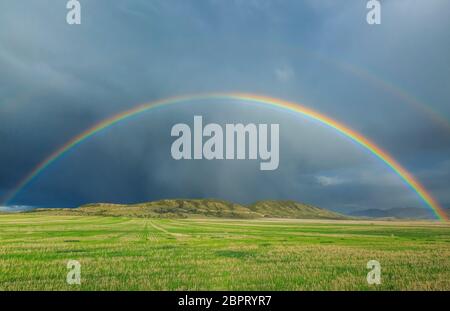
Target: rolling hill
(292,209)
(194,208)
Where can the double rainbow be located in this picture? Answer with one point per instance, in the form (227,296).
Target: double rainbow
(406,176)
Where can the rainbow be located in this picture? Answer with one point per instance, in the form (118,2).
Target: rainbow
(406,176)
(380,83)
(361,73)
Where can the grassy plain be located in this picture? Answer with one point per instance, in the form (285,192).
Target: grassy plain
(125,253)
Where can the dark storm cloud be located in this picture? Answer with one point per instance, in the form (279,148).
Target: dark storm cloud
(56,80)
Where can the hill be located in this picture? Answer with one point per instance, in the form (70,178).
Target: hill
(292,209)
(400,213)
(198,208)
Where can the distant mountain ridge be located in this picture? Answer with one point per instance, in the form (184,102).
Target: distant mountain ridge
(401,213)
(189,208)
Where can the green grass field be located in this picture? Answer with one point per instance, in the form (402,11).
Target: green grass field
(119,253)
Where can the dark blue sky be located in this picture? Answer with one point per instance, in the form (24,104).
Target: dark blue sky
(56,80)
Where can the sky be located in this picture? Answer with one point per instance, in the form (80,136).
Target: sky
(56,80)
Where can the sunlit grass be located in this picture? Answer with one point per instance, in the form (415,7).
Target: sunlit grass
(118,253)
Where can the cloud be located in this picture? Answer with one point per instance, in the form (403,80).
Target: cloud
(59,80)
(284,73)
(329,180)
(15,208)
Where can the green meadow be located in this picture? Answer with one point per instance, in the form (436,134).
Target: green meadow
(129,253)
